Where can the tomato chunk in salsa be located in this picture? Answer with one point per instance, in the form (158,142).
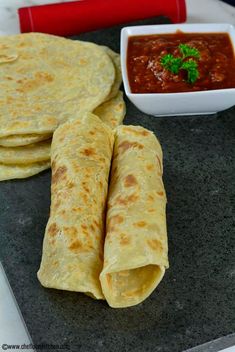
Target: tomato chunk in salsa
(146,74)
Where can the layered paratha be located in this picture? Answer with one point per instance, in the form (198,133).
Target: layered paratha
(115,57)
(9,172)
(27,154)
(113,111)
(46,80)
(23,139)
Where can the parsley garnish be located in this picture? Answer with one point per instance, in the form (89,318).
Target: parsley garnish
(171,63)
(187,51)
(175,64)
(191,67)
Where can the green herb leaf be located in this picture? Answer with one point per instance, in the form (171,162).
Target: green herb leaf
(175,64)
(171,63)
(188,51)
(192,69)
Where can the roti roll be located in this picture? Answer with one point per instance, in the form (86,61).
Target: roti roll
(135,250)
(72,256)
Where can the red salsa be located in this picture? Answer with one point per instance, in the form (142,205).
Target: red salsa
(147,74)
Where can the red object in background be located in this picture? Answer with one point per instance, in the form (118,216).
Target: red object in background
(86,15)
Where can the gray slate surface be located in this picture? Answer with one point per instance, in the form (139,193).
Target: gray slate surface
(195,301)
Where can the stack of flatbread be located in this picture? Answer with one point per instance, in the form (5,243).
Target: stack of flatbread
(44,81)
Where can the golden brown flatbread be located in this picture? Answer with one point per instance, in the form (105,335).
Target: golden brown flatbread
(8,172)
(115,57)
(26,154)
(72,257)
(46,80)
(113,111)
(23,139)
(135,252)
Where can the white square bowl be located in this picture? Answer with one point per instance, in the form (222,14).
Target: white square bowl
(186,103)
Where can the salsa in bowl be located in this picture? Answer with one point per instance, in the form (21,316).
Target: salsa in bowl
(179,69)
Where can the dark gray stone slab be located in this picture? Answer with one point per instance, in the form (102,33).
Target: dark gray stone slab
(215,345)
(195,302)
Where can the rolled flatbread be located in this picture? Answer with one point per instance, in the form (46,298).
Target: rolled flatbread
(135,251)
(72,257)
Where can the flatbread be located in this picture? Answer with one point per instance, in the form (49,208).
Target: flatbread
(27,154)
(8,172)
(113,111)
(23,139)
(48,80)
(72,256)
(115,57)
(135,252)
